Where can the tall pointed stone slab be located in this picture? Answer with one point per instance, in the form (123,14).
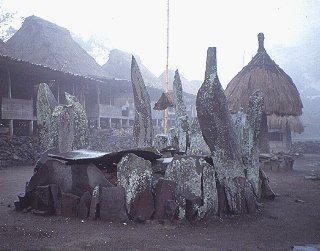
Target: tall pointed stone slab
(197,144)
(62,128)
(46,103)
(250,139)
(219,133)
(142,128)
(182,125)
(81,139)
(213,113)
(69,126)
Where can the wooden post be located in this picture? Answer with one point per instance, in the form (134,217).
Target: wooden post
(98,101)
(30,127)
(58,94)
(10,96)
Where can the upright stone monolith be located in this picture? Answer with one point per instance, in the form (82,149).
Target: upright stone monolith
(142,128)
(182,125)
(198,146)
(81,139)
(69,126)
(46,103)
(219,133)
(250,136)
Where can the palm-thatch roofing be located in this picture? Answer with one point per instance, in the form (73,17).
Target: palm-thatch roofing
(282,99)
(164,102)
(42,42)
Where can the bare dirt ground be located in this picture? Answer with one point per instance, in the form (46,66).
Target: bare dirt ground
(293,218)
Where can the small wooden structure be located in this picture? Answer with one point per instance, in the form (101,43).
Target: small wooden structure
(283,105)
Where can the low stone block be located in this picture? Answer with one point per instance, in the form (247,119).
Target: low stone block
(84,205)
(112,205)
(164,192)
(70,203)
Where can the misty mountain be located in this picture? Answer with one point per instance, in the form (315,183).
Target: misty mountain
(302,63)
(119,66)
(187,86)
(97,47)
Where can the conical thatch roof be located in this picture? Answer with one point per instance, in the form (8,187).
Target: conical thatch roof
(282,98)
(164,102)
(41,42)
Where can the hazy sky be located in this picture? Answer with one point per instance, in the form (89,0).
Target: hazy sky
(139,27)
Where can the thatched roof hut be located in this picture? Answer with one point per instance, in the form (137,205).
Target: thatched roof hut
(283,105)
(165,101)
(41,42)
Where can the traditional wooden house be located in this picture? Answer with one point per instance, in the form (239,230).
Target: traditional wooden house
(283,105)
(43,52)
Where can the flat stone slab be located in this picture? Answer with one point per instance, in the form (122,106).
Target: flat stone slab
(107,159)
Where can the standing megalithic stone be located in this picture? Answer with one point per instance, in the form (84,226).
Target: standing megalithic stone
(46,102)
(182,125)
(236,194)
(213,114)
(142,128)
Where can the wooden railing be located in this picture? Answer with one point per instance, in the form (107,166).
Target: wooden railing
(17,109)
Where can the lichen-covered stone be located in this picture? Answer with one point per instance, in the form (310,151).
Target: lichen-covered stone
(69,126)
(197,144)
(143,127)
(134,174)
(75,178)
(81,129)
(182,125)
(250,135)
(46,103)
(62,127)
(160,141)
(164,192)
(112,204)
(219,133)
(195,179)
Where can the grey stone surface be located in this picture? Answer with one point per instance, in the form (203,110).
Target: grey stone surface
(164,192)
(62,127)
(143,127)
(161,141)
(42,199)
(219,133)
(134,174)
(195,178)
(182,124)
(198,146)
(70,203)
(180,107)
(250,136)
(81,130)
(75,179)
(112,204)
(46,103)
(84,205)
(68,128)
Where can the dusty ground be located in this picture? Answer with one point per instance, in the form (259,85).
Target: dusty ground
(293,218)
